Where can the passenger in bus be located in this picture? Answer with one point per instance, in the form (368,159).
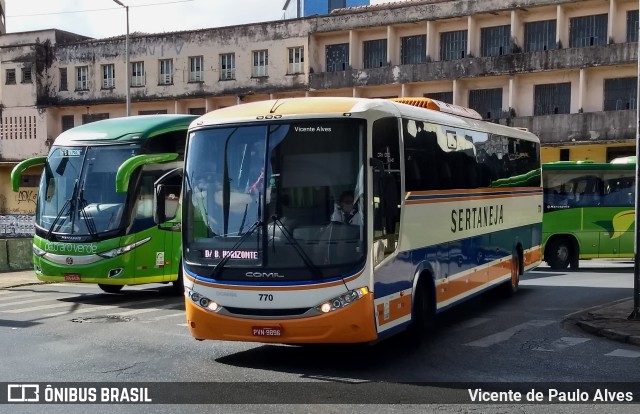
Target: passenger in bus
(345,211)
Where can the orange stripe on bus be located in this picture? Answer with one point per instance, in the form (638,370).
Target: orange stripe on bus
(533,256)
(449,289)
(275,288)
(398,308)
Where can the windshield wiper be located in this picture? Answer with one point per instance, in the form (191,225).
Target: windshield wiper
(216,271)
(88,218)
(69,202)
(305,258)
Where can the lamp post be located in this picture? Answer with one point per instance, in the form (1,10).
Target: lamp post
(126,64)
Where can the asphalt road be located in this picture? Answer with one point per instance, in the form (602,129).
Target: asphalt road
(75,333)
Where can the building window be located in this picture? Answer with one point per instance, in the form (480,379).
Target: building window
(63,79)
(540,36)
(374,53)
(620,94)
(618,152)
(82,78)
(260,63)
(197,111)
(446,97)
(487,102)
(196,69)
(553,98)
(565,154)
(632,26)
(153,112)
(26,75)
(137,74)
(228,66)
(166,72)
(108,77)
(413,49)
(67,122)
(10,78)
(453,45)
(337,57)
(296,60)
(588,31)
(495,41)
(88,118)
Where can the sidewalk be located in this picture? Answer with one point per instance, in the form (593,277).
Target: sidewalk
(609,320)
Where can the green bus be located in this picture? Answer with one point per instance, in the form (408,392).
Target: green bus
(589,211)
(94,220)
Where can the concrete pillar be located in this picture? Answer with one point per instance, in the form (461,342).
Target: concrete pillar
(562,27)
(613,14)
(517,29)
(513,84)
(473,37)
(403,90)
(432,41)
(582,83)
(456,94)
(355,55)
(393,47)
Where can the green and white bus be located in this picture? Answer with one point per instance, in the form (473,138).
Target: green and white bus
(589,211)
(94,220)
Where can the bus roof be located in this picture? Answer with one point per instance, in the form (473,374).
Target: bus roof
(311,107)
(586,166)
(131,128)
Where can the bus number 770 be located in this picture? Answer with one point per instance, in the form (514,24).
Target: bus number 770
(265,297)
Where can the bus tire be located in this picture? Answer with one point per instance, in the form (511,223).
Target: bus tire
(559,253)
(110,288)
(422,313)
(511,287)
(177,286)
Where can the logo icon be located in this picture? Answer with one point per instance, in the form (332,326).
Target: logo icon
(69,260)
(23,393)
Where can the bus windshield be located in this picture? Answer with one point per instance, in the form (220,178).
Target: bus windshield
(273,196)
(77,192)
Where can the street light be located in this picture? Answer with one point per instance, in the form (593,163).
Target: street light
(126,64)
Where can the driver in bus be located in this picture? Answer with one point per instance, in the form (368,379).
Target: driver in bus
(345,211)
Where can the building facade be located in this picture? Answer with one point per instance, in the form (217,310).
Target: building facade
(564,69)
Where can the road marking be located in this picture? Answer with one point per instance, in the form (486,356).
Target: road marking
(625,353)
(141,311)
(36,308)
(493,339)
(28,295)
(22,302)
(158,318)
(471,323)
(182,324)
(562,343)
(96,308)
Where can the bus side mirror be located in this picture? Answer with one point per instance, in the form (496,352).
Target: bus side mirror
(16,173)
(166,196)
(159,205)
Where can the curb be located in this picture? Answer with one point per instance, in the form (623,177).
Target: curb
(612,334)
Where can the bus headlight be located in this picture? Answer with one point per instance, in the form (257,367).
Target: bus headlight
(341,301)
(38,251)
(122,250)
(203,301)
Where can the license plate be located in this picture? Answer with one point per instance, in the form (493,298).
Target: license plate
(267,331)
(72,277)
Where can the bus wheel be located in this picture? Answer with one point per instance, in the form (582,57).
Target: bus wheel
(511,287)
(110,288)
(558,254)
(178,284)
(422,316)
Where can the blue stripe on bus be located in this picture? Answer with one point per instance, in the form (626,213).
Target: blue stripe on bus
(451,258)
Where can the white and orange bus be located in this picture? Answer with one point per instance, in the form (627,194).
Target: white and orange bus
(435,207)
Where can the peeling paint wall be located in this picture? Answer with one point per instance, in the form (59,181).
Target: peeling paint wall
(276,37)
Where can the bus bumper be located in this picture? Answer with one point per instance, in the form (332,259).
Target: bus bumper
(352,324)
